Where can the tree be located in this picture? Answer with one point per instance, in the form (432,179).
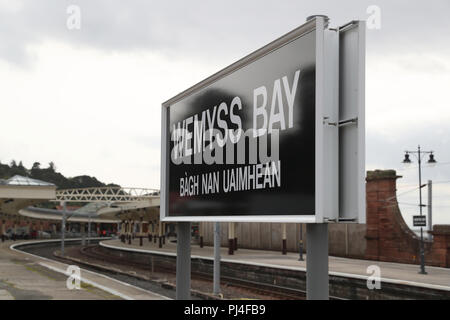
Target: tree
(13,164)
(36,166)
(20,170)
(52,166)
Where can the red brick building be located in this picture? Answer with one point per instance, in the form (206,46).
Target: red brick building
(388,238)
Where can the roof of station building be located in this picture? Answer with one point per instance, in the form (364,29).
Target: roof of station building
(24,181)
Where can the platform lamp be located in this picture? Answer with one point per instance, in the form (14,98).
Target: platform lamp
(419,154)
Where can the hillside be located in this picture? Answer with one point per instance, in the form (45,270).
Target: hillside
(50,174)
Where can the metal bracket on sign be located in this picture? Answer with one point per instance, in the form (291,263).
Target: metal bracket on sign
(341,123)
(347,122)
(327,122)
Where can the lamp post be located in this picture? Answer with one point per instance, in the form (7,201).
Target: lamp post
(419,153)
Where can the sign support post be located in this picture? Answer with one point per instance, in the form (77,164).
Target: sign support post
(183,278)
(317,261)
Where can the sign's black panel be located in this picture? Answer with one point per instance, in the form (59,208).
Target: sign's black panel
(275,92)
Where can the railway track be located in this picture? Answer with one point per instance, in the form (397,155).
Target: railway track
(268,290)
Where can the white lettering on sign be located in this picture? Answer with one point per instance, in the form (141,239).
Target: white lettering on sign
(250,177)
(192,137)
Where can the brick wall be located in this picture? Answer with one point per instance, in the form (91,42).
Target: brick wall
(388,237)
(440,254)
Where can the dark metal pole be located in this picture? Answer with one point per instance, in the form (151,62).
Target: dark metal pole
(183,277)
(63,228)
(89,230)
(217,242)
(200,232)
(3,230)
(235,239)
(130,231)
(230,238)
(83,233)
(283,238)
(422,251)
(141,231)
(430,208)
(317,287)
(301,243)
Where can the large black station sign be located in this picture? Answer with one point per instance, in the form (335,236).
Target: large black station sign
(243,143)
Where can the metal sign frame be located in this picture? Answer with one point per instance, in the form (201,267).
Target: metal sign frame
(352,158)
(327,128)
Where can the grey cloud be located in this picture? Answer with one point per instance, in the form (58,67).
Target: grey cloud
(223,29)
(147,141)
(428,64)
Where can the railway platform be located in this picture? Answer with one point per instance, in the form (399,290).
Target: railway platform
(394,273)
(24,276)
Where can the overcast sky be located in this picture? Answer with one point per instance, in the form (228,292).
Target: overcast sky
(89,99)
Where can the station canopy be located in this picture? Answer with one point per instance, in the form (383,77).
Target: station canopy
(20,192)
(24,181)
(91,208)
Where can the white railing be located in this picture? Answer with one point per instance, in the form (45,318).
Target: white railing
(106,194)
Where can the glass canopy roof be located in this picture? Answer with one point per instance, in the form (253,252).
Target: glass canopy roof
(92,207)
(24,181)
